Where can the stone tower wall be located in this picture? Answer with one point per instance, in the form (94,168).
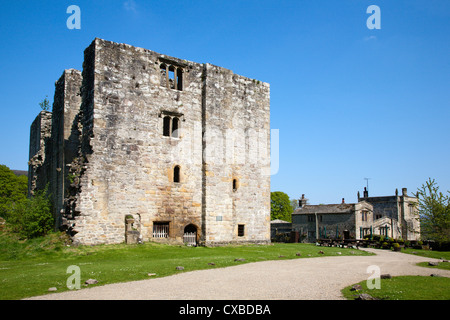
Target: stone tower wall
(130,162)
(121,159)
(39,154)
(236,147)
(65,135)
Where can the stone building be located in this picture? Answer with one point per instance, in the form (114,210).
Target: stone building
(394,216)
(391,216)
(156,148)
(344,220)
(278,226)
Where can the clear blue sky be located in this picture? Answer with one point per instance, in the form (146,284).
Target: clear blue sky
(349,102)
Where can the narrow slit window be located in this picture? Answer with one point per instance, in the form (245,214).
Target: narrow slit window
(163,70)
(235,184)
(166,126)
(176,174)
(241,230)
(172,78)
(175,123)
(179,79)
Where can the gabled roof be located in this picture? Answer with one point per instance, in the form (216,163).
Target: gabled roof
(326,208)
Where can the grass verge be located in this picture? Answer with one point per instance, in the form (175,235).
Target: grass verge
(405,288)
(30,268)
(442,255)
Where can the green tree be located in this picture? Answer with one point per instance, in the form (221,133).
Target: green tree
(280,206)
(12,189)
(45,104)
(434,212)
(294,204)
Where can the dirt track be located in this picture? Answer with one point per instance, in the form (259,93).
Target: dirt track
(298,279)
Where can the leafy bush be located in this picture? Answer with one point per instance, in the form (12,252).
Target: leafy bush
(440,245)
(31,217)
(12,189)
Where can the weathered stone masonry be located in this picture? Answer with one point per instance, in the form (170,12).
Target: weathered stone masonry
(175,146)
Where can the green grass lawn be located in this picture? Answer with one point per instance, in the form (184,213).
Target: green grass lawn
(30,268)
(406,288)
(411,287)
(442,255)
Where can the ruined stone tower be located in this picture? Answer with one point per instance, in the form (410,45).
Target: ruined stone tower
(148,146)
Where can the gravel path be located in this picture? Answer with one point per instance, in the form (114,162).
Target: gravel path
(298,279)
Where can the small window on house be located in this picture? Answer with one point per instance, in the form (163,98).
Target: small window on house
(175,122)
(241,230)
(364,216)
(235,184)
(311,218)
(176,174)
(166,126)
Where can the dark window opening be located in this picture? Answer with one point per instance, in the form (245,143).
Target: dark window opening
(179,79)
(235,185)
(175,122)
(176,174)
(346,234)
(166,126)
(171,126)
(241,230)
(160,229)
(364,216)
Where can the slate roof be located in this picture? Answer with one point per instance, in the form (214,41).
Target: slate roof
(326,208)
(279,221)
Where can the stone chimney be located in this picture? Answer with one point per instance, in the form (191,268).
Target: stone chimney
(365,193)
(302,201)
(404,192)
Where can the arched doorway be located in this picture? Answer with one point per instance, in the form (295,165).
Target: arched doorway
(190,235)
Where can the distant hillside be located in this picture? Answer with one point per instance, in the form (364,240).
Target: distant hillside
(20,172)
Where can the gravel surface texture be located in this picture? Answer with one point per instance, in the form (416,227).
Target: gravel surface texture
(298,279)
